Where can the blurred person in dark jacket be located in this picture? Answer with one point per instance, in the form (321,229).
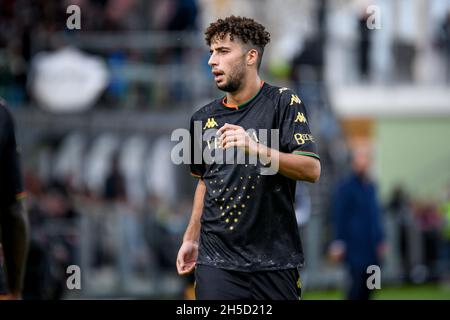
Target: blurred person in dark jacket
(357,224)
(445,247)
(364,46)
(53,241)
(13,216)
(115,189)
(400,207)
(430,223)
(443,42)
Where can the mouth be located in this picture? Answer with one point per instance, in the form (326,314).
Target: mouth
(218,76)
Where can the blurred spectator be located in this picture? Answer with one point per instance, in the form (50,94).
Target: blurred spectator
(357,224)
(175,15)
(182,18)
(115,182)
(404,42)
(118,84)
(364,46)
(400,206)
(429,221)
(165,230)
(114,193)
(311,56)
(184,15)
(404,55)
(445,247)
(444,43)
(54,243)
(23,37)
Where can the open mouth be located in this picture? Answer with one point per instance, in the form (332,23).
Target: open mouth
(218,76)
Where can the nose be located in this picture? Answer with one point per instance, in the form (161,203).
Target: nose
(212,60)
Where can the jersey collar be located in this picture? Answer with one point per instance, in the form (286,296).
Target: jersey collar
(239,106)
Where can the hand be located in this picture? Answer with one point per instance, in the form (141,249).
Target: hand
(381,250)
(231,135)
(187,257)
(336,251)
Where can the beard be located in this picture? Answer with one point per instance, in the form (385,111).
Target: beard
(234,81)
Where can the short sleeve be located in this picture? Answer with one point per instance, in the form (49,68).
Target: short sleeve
(197,165)
(295,134)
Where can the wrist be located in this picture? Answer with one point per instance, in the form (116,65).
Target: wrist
(264,154)
(252,147)
(191,241)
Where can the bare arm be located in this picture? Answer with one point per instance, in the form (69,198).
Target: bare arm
(187,255)
(293,166)
(14,231)
(193,229)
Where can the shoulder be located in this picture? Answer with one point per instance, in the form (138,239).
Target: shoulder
(274,92)
(206,110)
(282,96)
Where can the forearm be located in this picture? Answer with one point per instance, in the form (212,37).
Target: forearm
(193,229)
(297,167)
(15,244)
(293,166)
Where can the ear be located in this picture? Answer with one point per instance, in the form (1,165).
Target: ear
(252,57)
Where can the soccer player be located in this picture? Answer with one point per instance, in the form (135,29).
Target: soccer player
(13,218)
(242,239)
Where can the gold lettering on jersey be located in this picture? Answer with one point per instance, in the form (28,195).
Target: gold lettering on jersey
(211,123)
(213,143)
(282,89)
(301,138)
(300,118)
(295,99)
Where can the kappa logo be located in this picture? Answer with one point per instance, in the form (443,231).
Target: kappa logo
(300,118)
(295,99)
(211,123)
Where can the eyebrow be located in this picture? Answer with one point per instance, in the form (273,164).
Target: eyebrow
(220,48)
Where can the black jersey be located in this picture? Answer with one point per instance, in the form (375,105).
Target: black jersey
(11,188)
(248,221)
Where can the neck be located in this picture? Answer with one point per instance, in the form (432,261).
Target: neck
(245,93)
(362,176)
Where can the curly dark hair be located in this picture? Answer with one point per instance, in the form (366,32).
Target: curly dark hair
(247,30)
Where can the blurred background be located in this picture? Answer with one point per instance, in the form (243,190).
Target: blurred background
(95,107)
